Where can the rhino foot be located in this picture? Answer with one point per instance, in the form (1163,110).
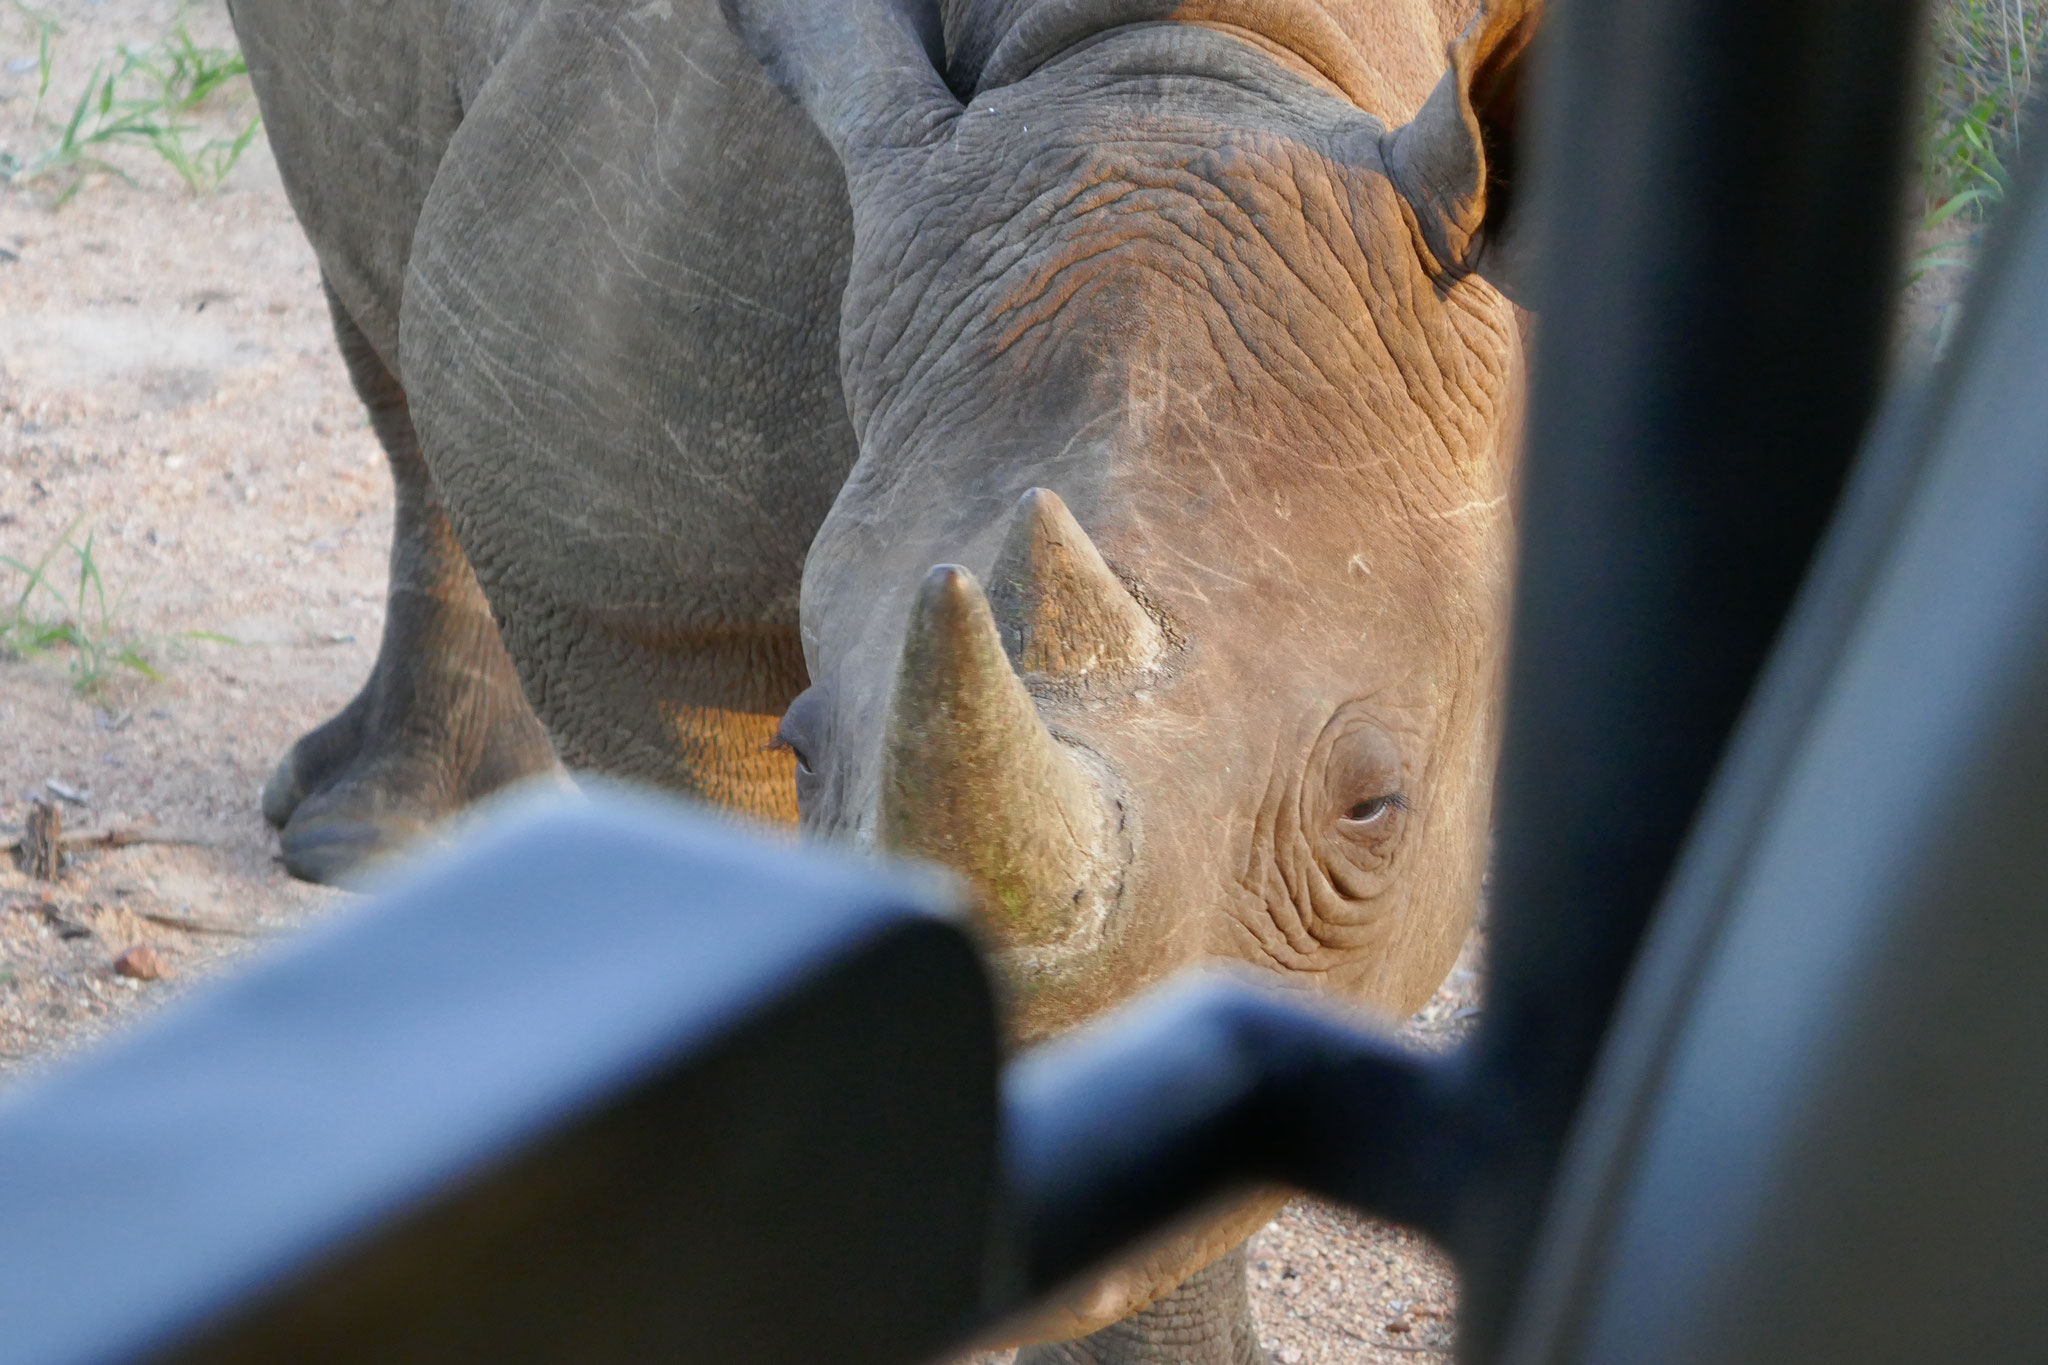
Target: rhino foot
(440,723)
(1207,1321)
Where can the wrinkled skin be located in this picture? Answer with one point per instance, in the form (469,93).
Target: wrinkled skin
(1294,456)
(708,381)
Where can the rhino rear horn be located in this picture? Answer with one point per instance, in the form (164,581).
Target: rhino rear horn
(1063,613)
(973,780)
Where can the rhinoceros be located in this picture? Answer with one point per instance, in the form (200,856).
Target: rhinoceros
(1069,440)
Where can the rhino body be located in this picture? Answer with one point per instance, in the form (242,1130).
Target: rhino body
(1068,439)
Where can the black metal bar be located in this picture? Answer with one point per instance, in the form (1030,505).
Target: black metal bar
(1720,850)
(1749,786)
(614,1085)
(1719,189)
(1864,894)
(1202,1088)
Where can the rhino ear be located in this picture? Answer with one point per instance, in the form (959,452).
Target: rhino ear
(866,71)
(1456,161)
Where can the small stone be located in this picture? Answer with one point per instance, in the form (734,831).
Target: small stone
(55,918)
(141,963)
(1288,1355)
(1400,1326)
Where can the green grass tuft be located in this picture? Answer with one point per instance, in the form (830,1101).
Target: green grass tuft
(145,96)
(44,26)
(63,604)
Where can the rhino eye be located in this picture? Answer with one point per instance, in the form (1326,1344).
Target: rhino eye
(1361,778)
(786,744)
(798,731)
(1376,809)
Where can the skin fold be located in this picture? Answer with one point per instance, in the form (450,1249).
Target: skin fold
(1169,328)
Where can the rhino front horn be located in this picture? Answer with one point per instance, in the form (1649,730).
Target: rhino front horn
(972,779)
(1063,613)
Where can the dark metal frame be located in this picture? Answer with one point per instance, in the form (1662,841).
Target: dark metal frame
(1722,185)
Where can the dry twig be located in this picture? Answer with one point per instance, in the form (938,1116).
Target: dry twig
(195,926)
(122,836)
(1387,1345)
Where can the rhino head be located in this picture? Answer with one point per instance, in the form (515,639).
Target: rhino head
(1166,600)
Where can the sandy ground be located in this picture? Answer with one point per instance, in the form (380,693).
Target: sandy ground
(169,388)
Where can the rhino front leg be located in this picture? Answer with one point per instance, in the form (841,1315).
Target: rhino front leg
(1207,1321)
(441,720)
